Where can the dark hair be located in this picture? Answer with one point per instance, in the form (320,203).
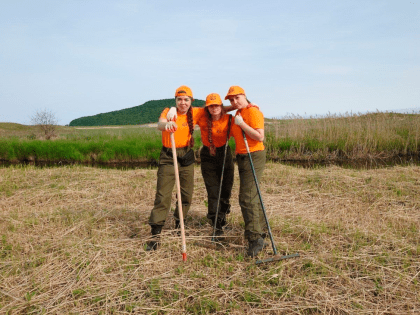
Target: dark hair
(209,129)
(190,126)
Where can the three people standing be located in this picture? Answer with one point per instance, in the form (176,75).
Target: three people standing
(215,126)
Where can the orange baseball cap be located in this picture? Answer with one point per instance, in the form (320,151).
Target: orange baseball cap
(213,99)
(184,90)
(234,90)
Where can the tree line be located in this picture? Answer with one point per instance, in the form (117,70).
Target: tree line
(148,112)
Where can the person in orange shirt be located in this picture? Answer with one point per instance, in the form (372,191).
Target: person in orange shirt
(215,126)
(183,130)
(249,119)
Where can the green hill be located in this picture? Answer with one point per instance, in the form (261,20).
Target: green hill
(142,114)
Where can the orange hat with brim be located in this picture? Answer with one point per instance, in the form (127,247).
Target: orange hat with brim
(184,90)
(213,99)
(234,90)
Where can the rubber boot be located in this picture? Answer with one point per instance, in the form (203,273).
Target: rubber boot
(219,230)
(266,243)
(154,243)
(178,227)
(255,247)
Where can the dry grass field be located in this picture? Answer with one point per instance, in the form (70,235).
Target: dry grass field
(72,242)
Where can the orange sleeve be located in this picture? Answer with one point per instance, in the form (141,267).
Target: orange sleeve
(255,119)
(164,113)
(198,114)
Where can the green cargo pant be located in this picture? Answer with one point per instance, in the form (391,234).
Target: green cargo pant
(248,195)
(211,169)
(166,183)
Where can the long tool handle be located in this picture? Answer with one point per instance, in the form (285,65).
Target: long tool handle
(178,197)
(259,194)
(220,192)
(221,179)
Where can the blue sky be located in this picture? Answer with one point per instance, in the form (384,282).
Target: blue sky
(80,58)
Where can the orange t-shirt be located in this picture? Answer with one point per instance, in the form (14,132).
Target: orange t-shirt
(182,134)
(255,119)
(218,131)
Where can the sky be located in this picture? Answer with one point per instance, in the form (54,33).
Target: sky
(79,57)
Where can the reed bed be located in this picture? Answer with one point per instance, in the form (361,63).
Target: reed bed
(72,242)
(347,136)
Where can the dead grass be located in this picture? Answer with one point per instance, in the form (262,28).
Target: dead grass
(72,242)
(344,136)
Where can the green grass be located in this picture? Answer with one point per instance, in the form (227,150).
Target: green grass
(128,144)
(380,135)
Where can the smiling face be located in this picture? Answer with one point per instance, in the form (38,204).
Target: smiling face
(215,111)
(238,101)
(183,104)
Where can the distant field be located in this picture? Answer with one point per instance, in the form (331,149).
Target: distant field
(348,136)
(330,138)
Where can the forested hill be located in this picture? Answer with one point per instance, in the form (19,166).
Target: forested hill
(149,112)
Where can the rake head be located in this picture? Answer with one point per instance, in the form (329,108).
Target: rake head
(276,258)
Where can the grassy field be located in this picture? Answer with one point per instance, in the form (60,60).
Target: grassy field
(347,136)
(72,242)
(329,138)
(83,144)
(109,144)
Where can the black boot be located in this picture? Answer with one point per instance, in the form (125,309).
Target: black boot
(255,247)
(266,244)
(153,244)
(178,227)
(219,230)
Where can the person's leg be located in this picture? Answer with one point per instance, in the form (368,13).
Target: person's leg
(226,186)
(164,188)
(162,203)
(211,176)
(186,180)
(249,200)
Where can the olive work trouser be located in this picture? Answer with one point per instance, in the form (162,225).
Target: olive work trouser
(211,169)
(248,195)
(165,186)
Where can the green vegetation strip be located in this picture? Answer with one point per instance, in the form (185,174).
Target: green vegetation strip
(81,151)
(375,135)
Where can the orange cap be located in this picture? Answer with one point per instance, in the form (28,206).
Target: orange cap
(213,99)
(184,90)
(234,90)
